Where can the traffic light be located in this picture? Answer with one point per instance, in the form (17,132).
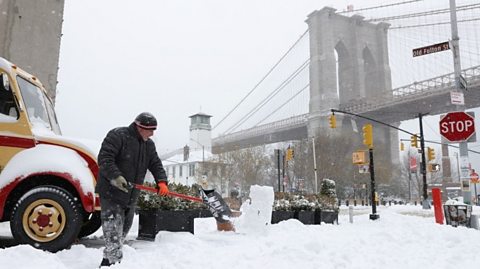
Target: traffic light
(414,141)
(289,155)
(368,135)
(332,121)
(430,154)
(402,146)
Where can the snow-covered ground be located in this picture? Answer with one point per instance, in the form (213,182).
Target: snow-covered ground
(403,237)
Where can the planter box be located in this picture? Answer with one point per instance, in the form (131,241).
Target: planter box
(153,221)
(278,216)
(305,217)
(329,217)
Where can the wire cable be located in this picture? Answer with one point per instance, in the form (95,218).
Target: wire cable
(431,24)
(282,105)
(269,97)
(425,13)
(382,6)
(264,77)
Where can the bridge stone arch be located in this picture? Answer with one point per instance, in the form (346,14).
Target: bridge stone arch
(348,55)
(362,70)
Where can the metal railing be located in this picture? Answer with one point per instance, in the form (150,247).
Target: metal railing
(397,95)
(412,91)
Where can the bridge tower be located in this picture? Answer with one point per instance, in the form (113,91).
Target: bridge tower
(348,62)
(30,33)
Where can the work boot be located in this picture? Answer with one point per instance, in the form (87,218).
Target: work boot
(105,262)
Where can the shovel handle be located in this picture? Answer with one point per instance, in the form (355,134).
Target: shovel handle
(170,193)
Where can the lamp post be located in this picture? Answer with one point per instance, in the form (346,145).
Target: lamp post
(458,167)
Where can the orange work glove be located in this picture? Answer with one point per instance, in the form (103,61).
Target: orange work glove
(162,188)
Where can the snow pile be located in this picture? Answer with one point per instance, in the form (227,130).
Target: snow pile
(403,237)
(454,202)
(256,211)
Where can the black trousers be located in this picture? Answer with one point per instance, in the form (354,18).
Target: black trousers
(116,222)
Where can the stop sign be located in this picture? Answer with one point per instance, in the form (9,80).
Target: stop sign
(457,126)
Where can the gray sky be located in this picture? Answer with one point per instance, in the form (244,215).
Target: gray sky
(174,59)
(119,58)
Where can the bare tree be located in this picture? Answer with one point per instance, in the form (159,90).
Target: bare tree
(246,167)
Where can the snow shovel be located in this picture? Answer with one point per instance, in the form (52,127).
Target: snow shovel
(214,201)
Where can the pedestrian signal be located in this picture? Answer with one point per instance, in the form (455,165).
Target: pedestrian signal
(433,167)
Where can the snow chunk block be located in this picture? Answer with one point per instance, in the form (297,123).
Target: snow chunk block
(256,210)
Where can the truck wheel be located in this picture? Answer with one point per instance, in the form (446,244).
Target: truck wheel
(90,224)
(46,217)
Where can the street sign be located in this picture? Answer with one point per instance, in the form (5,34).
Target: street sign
(363,168)
(457,98)
(431,49)
(457,126)
(474,178)
(359,157)
(413,164)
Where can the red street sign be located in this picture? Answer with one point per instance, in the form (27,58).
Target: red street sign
(474,178)
(413,163)
(457,126)
(431,49)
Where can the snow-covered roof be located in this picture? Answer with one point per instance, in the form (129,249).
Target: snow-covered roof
(200,114)
(194,156)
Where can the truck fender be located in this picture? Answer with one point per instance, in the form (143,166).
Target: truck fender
(45,159)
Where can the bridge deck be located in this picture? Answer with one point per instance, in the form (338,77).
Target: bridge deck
(430,96)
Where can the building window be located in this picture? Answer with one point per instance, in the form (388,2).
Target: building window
(180,170)
(173,171)
(191,169)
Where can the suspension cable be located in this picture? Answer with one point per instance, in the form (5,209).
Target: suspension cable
(269,97)
(264,77)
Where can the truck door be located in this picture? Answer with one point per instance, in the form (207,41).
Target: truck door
(15,133)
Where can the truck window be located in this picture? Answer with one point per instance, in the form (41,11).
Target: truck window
(8,109)
(37,107)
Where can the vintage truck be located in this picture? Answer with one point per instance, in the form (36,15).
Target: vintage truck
(47,181)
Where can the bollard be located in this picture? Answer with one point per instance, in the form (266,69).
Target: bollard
(437,205)
(350,213)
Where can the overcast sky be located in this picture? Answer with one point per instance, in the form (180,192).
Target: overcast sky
(172,58)
(176,58)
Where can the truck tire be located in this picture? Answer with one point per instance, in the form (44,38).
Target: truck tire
(47,218)
(90,224)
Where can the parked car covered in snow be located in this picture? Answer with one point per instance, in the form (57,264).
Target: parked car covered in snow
(47,180)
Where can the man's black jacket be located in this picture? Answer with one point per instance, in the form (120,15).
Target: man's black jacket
(124,153)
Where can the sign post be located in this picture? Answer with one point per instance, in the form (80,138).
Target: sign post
(474,180)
